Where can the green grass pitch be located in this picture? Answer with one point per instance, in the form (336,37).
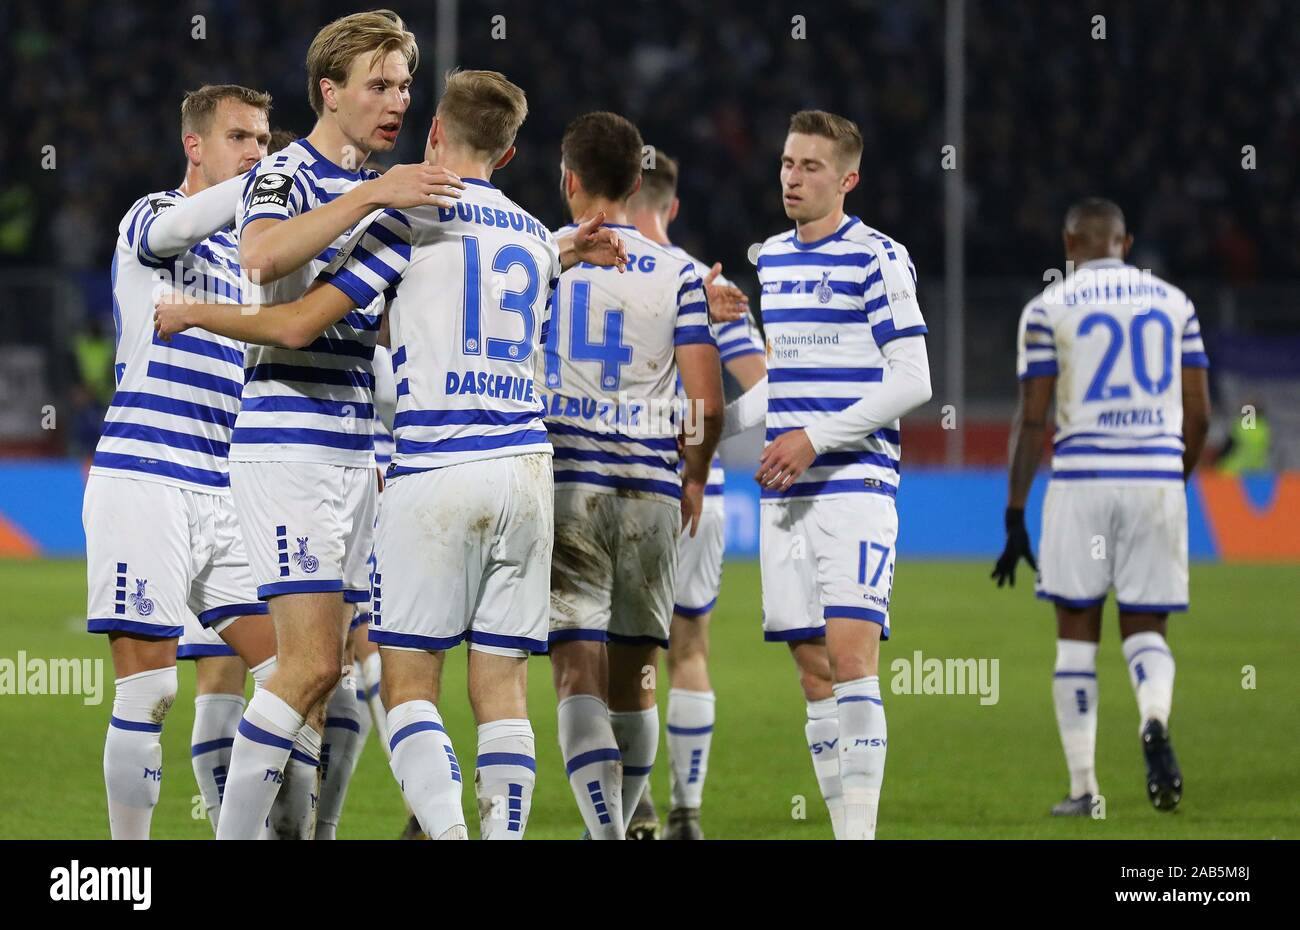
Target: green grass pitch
(956,769)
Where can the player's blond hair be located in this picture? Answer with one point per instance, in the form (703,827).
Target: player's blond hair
(658,182)
(375,32)
(483,111)
(842,132)
(199,106)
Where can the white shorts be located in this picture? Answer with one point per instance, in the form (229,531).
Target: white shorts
(308,527)
(1099,533)
(464,552)
(615,567)
(699,562)
(832,557)
(200,642)
(157,554)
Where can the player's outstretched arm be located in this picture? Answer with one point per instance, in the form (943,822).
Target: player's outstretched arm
(1196,416)
(593,244)
(727,303)
(291,326)
(271,248)
(191,220)
(1027,433)
(904,387)
(701,374)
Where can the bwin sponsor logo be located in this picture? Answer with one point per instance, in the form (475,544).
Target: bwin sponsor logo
(946,676)
(103,883)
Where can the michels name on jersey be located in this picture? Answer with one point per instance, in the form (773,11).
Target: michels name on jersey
(495,217)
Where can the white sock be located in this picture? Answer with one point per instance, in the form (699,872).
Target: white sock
(637,735)
(257,763)
(339,751)
(823,733)
(293,813)
(427,769)
(370,670)
(261,673)
(216,717)
(504,776)
(133,750)
(690,733)
(593,764)
(1151,669)
(863,744)
(1074,692)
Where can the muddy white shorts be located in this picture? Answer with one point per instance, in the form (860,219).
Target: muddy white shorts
(464,553)
(615,567)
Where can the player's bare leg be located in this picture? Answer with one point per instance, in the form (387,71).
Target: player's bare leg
(1151,670)
(423,760)
(853,650)
(580,669)
(505,772)
(690,722)
(1074,694)
(218,707)
(276,741)
(634,715)
(144,672)
(823,727)
(342,738)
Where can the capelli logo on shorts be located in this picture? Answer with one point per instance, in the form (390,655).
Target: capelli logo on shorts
(103,883)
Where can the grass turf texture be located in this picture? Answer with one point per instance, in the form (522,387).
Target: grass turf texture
(956,769)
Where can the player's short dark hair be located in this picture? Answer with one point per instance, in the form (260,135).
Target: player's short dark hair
(604,151)
(483,110)
(280,138)
(199,106)
(1092,210)
(658,181)
(843,132)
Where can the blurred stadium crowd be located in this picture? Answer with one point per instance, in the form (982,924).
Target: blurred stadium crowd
(1156,115)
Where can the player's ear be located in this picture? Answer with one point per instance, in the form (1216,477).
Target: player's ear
(1128,244)
(672,210)
(850,181)
(505,158)
(636,187)
(328,95)
(193,146)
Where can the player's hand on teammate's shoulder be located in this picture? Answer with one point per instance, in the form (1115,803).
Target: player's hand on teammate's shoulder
(784,459)
(405,186)
(727,303)
(1017,547)
(171,314)
(599,245)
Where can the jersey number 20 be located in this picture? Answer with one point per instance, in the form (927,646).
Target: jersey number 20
(1098,389)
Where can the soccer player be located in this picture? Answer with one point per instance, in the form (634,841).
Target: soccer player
(302,474)
(163,543)
(846,360)
(616,347)
(699,557)
(1120,351)
(481,554)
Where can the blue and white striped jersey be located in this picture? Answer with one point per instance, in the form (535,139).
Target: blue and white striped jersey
(735,340)
(312,404)
(385,404)
(175,405)
(467,316)
(828,307)
(1117,339)
(610,370)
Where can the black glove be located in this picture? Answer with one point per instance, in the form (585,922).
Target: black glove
(1017,546)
